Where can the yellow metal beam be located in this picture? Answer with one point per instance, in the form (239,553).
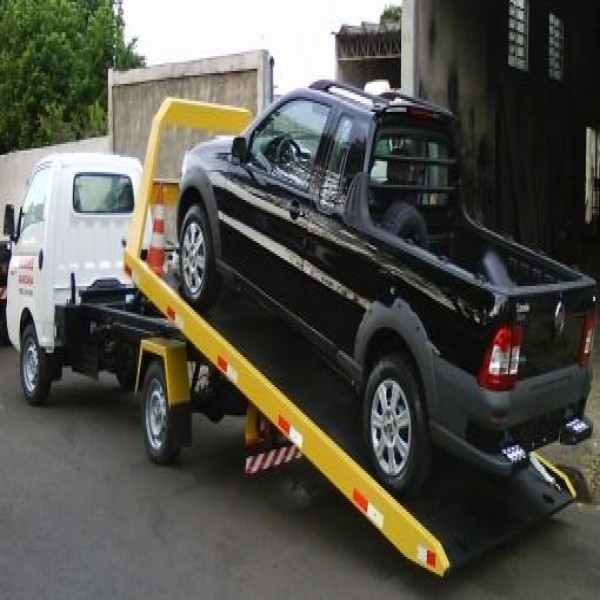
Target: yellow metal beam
(175,112)
(386,513)
(173,353)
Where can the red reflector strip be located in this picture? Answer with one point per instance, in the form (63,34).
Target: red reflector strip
(360,500)
(426,557)
(283,425)
(367,508)
(227,369)
(174,317)
(292,433)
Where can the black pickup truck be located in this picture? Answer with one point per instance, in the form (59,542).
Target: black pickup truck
(342,212)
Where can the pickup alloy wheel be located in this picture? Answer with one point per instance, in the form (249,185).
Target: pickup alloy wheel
(35,380)
(196,259)
(394,425)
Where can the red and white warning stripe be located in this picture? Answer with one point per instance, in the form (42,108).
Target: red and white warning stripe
(173,316)
(227,369)
(271,459)
(367,508)
(426,557)
(291,432)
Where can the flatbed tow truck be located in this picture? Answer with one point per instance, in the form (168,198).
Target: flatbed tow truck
(269,373)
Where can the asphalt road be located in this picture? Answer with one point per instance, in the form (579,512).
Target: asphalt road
(83,514)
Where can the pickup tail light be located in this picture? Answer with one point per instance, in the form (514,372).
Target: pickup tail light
(587,339)
(500,367)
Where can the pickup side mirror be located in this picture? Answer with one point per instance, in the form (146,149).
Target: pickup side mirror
(9,221)
(239,148)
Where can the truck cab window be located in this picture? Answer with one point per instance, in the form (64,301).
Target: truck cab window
(102,193)
(286,144)
(35,199)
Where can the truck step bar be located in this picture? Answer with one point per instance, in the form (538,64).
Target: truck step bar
(460,514)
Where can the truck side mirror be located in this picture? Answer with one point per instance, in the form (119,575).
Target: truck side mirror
(239,148)
(9,221)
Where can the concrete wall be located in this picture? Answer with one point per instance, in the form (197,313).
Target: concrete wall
(522,135)
(134,97)
(16,167)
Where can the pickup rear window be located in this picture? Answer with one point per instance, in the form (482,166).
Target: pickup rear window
(415,162)
(102,193)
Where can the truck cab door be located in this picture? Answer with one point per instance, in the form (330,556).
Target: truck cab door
(28,285)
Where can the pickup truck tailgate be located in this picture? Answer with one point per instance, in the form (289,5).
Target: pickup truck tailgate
(553,323)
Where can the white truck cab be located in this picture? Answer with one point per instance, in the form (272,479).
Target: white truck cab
(69,234)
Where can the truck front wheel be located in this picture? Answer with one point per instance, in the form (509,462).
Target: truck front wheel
(156,417)
(35,371)
(395,425)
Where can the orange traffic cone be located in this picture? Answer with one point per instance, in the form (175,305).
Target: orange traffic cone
(156,251)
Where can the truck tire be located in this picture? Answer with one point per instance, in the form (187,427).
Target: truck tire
(406,222)
(395,425)
(199,282)
(4,341)
(156,419)
(34,368)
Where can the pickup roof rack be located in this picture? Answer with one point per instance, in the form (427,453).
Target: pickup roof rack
(381,102)
(462,512)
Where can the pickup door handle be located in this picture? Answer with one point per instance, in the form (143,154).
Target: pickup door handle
(295,210)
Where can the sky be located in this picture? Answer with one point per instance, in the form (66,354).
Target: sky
(298,34)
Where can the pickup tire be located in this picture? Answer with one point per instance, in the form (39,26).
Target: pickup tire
(199,282)
(395,425)
(406,222)
(156,417)
(34,368)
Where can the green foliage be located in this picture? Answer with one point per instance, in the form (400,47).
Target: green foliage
(391,14)
(54,59)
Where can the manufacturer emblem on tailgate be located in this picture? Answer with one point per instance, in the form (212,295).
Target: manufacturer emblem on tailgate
(559,318)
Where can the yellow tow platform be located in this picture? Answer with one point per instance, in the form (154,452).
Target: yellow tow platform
(427,532)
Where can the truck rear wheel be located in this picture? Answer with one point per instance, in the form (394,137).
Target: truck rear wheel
(395,425)
(156,417)
(34,368)
(199,283)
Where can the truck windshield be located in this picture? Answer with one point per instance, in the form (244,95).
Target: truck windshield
(102,193)
(416,162)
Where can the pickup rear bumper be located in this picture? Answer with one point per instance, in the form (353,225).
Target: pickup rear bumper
(478,425)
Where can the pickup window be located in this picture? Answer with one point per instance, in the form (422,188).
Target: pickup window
(286,144)
(102,193)
(345,159)
(416,165)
